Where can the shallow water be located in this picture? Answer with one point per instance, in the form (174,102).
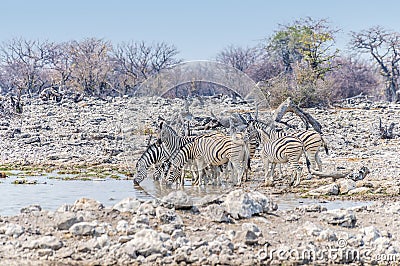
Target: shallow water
(50,193)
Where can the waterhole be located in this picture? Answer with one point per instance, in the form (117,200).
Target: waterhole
(52,190)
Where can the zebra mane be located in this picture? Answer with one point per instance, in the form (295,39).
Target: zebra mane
(163,125)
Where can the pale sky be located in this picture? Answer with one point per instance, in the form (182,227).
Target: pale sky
(199,29)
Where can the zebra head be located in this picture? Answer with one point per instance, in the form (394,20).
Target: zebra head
(166,132)
(141,173)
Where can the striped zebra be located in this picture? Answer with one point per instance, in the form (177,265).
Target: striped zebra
(173,142)
(213,149)
(286,149)
(251,137)
(311,139)
(154,154)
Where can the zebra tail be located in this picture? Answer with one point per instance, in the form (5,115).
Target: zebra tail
(308,163)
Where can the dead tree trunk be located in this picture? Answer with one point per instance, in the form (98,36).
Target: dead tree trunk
(289,106)
(386,132)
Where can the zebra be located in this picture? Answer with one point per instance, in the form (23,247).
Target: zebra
(282,150)
(213,149)
(154,154)
(251,137)
(173,142)
(311,139)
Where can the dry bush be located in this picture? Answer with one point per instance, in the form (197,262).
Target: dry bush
(305,94)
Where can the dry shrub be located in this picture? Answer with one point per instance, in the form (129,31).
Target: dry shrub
(305,94)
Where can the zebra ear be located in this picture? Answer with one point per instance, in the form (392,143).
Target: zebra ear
(161,124)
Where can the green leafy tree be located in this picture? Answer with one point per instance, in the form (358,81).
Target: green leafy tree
(306,44)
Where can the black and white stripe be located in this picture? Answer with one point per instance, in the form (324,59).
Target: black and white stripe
(286,149)
(154,154)
(311,139)
(215,149)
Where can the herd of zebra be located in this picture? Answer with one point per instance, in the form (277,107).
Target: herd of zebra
(214,157)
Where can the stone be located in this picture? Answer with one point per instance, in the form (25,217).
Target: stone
(82,229)
(32,140)
(346,185)
(64,220)
(178,199)
(240,204)
(122,226)
(31,208)
(177,234)
(85,204)
(11,229)
(370,233)
(344,218)
(215,213)
(311,208)
(140,219)
(393,190)
(311,229)
(252,227)
(45,242)
(359,190)
(145,242)
(127,205)
(248,237)
(45,252)
(170,228)
(165,215)
(331,189)
(98,242)
(146,208)
(327,235)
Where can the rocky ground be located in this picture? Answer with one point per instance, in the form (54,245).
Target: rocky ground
(242,227)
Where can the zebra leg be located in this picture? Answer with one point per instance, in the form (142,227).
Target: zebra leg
(280,171)
(273,165)
(298,175)
(312,158)
(239,173)
(269,179)
(158,172)
(319,161)
(266,166)
(181,181)
(295,175)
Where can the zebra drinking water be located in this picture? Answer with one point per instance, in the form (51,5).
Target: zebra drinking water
(173,142)
(154,154)
(214,149)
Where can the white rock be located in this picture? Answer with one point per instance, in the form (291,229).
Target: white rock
(11,229)
(127,205)
(346,185)
(83,229)
(45,242)
(370,233)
